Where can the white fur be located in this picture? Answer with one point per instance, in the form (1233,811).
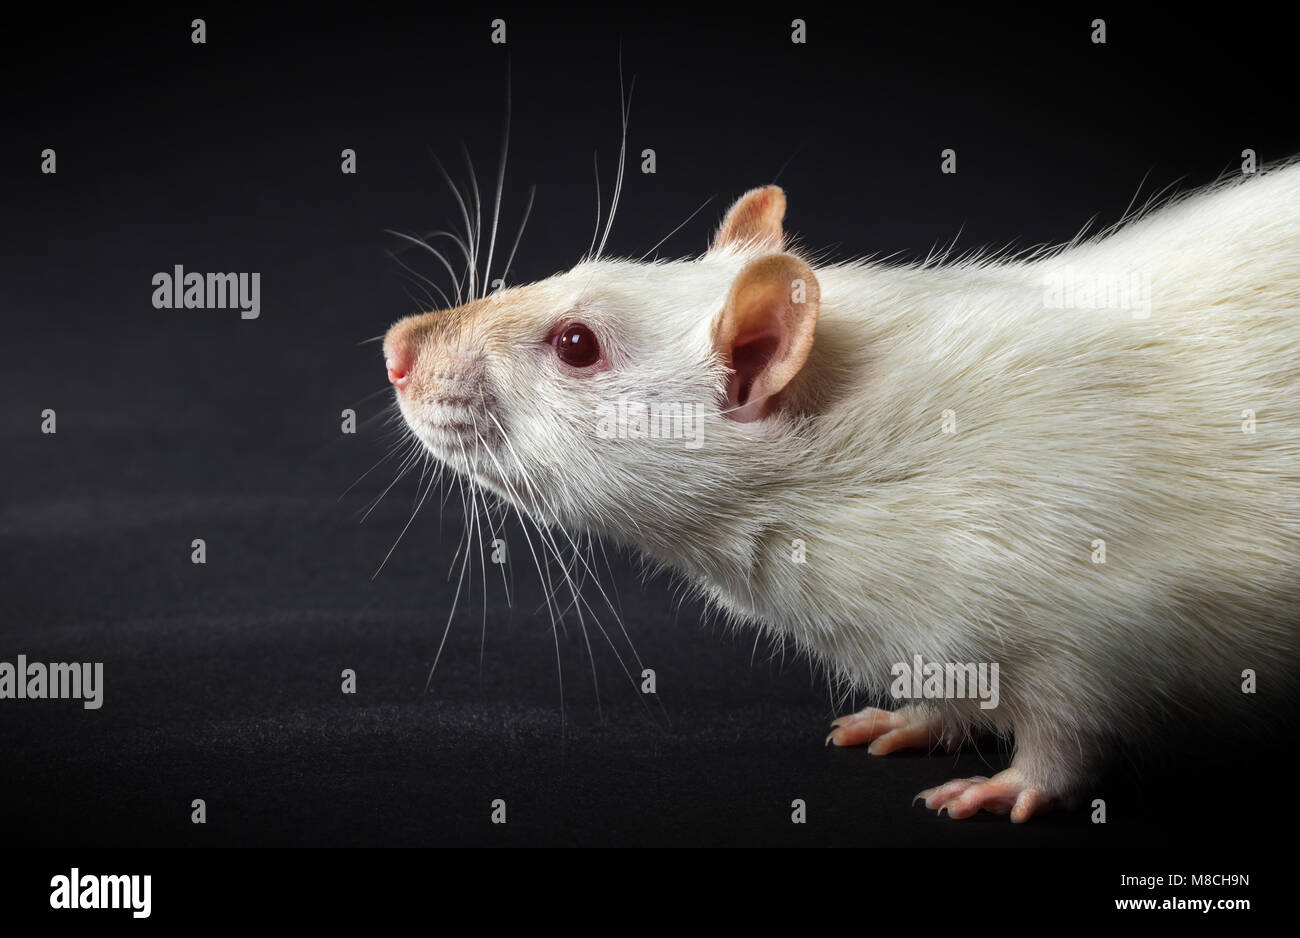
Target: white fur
(975,546)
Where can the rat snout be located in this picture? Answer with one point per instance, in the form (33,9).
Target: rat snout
(430,357)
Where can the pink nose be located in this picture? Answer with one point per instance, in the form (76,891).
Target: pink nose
(398,358)
(401,349)
(398,371)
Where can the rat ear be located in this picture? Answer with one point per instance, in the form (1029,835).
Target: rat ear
(754,219)
(765,332)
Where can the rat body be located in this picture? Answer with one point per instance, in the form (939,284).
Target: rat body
(1083,467)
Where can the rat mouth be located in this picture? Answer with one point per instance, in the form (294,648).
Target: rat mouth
(466,447)
(460,429)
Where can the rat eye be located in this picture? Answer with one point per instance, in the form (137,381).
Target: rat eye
(577,346)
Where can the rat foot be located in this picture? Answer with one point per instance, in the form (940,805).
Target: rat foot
(1006,792)
(910,727)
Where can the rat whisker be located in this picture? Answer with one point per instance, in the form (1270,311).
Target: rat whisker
(544,575)
(370,397)
(478,531)
(407,463)
(532,191)
(450,618)
(501,181)
(429,301)
(625,107)
(677,229)
(471,260)
(595,163)
(525,478)
(477,239)
(436,253)
(462,484)
(453,236)
(387,456)
(608,568)
(420,504)
(492,526)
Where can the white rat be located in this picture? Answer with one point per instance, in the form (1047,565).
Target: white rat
(1082,466)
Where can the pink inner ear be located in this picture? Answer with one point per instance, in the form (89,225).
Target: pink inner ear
(748,359)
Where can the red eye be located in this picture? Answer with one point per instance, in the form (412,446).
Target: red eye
(577,346)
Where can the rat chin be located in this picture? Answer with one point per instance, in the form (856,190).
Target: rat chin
(466,458)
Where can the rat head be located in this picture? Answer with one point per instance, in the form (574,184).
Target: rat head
(644,401)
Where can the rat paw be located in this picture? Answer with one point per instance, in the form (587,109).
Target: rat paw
(908,727)
(1005,793)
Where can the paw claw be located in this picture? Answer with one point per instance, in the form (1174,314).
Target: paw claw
(1004,793)
(886,731)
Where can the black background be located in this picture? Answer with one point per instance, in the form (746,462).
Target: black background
(222,680)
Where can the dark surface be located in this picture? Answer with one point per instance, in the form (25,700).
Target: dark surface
(223,679)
